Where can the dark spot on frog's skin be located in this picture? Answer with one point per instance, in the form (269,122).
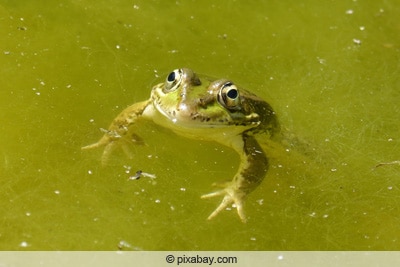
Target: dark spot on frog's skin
(199,117)
(194,116)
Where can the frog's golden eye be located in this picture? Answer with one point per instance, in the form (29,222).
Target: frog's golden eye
(173,80)
(229,97)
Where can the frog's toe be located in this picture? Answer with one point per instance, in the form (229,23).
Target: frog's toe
(230,197)
(91,146)
(108,149)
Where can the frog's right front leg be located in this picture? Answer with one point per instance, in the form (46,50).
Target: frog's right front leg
(116,133)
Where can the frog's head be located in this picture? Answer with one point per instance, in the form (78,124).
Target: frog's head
(188,99)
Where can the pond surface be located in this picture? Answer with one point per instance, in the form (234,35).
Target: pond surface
(331,72)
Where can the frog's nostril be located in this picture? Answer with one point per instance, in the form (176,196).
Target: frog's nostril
(196,81)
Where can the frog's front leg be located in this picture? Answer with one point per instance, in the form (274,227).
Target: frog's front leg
(252,169)
(116,133)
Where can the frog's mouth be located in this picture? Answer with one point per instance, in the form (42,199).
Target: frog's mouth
(180,115)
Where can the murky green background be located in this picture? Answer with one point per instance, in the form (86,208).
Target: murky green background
(330,69)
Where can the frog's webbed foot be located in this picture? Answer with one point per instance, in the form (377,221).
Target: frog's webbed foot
(111,140)
(120,131)
(232,195)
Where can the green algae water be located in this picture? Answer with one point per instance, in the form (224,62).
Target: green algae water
(330,71)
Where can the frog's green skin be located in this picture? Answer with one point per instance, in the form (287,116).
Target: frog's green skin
(203,108)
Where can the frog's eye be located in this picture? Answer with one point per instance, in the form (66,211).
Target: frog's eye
(228,96)
(173,80)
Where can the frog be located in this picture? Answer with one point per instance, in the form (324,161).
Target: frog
(203,108)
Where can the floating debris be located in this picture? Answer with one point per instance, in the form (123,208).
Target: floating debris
(357,41)
(124,245)
(349,12)
(140,173)
(396,162)
(24,244)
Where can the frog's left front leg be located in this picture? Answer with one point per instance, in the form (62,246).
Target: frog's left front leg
(116,133)
(252,169)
